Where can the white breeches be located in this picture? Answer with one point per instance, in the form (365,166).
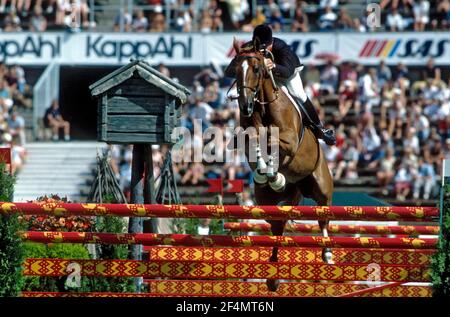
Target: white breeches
(295,86)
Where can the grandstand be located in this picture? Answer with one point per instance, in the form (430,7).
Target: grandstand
(406,100)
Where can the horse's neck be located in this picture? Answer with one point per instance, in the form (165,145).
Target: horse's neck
(280,110)
(268,90)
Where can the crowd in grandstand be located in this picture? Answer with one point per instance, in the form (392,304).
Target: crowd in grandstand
(14,94)
(39,15)
(229,15)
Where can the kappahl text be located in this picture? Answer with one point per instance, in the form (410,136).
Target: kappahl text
(163,46)
(32,45)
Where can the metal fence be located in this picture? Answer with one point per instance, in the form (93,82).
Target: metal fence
(44,92)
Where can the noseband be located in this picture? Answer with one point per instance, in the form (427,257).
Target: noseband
(255,90)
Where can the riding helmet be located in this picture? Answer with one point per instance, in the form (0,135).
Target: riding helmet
(262,35)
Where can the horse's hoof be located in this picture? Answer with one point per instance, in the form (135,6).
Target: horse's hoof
(327,256)
(279,184)
(259,179)
(272,285)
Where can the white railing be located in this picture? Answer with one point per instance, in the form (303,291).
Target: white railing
(44,92)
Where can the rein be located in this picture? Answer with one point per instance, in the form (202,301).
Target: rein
(255,89)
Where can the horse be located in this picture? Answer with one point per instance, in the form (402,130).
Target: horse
(302,169)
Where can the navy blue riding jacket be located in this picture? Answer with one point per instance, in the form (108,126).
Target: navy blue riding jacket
(285,59)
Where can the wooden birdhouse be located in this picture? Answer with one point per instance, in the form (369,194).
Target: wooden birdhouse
(138,104)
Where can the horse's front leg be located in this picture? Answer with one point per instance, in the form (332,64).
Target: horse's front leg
(277,228)
(284,144)
(327,255)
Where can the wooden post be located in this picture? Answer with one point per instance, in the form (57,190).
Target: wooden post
(149,186)
(137,197)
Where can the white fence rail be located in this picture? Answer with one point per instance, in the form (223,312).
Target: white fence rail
(44,92)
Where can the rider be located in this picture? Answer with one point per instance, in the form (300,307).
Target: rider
(286,67)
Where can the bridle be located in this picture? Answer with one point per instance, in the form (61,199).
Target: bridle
(255,90)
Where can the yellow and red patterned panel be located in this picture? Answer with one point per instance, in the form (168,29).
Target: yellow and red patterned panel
(299,255)
(223,270)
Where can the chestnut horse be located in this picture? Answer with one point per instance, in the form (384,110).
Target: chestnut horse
(302,169)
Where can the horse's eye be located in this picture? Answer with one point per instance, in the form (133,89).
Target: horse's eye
(256,69)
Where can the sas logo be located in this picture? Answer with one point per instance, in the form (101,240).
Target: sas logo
(403,48)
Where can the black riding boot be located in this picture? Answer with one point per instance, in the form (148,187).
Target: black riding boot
(319,130)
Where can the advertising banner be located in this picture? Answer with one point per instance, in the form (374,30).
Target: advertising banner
(394,48)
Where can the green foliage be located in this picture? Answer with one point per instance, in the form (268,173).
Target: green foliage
(111,252)
(11,254)
(190,226)
(54,251)
(440,275)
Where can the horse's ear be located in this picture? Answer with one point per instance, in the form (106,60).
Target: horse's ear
(256,44)
(236,46)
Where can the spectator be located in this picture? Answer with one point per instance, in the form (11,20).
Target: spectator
(300,21)
(421,9)
(447,149)
(158,23)
(63,10)
(384,73)
(54,120)
(38,22)
(371,144)
(123,18)
(442,19)
(163,70)
(421,123)
(347,166)
(259,18)
(140,23)
(395,21)
(5,95)
(329,78)
(359,26)
(386,170)
(206,22)
(16,125)
(431,71)
(201,111)
(276,20)
(370,91)
(216,14)
(194,174)
(12,23)
(403,182)
(347,97)
(344,21)
(327,21)
(237,9)
(401,71)
(426,179)
(183,21)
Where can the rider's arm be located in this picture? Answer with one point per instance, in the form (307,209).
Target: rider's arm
(282,71)
(286,61)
